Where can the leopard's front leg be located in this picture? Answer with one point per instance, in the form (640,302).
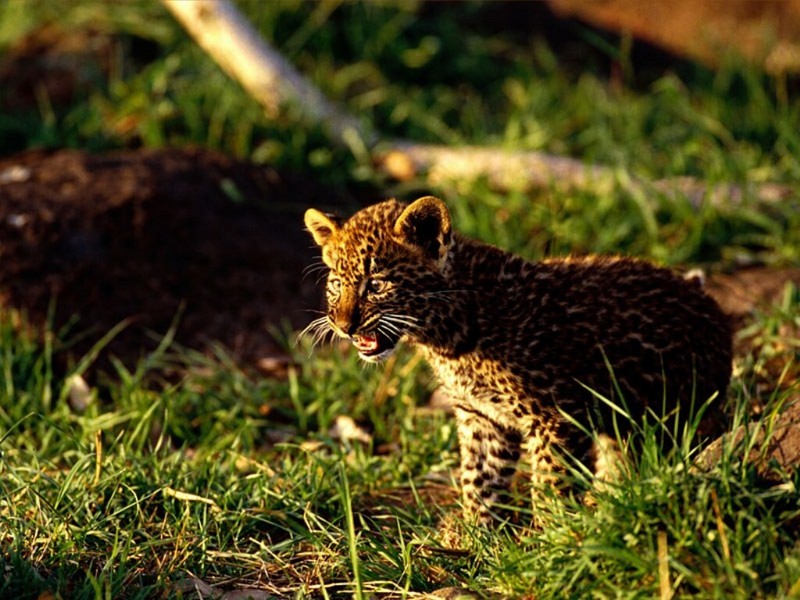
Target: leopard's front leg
(489,456)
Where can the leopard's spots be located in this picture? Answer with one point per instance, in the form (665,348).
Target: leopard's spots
(535,355)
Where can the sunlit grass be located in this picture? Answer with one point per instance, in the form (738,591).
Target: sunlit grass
(237,480)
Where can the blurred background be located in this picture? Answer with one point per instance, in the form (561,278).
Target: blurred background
(139,181)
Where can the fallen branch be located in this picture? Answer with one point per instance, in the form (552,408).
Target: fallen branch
(231,41)
(221,30)
(506,169)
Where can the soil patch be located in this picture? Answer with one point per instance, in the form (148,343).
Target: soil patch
(150,234)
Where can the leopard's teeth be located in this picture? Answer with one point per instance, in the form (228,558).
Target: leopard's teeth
(376,358)
(365,343)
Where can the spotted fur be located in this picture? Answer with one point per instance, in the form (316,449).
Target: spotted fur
(519,345)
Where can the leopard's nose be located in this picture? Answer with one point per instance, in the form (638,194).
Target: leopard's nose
(344,313)
(342,324)
(346,322)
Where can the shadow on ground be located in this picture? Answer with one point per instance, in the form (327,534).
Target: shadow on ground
(147,235)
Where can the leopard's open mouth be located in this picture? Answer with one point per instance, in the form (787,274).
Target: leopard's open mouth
(374,346)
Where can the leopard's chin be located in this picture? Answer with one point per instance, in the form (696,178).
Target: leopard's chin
(374,347)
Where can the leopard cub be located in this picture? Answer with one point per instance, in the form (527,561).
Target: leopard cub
(535,355)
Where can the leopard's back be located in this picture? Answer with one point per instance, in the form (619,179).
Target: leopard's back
(572,329)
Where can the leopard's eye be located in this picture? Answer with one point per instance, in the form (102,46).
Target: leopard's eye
(334,284)
(376,286)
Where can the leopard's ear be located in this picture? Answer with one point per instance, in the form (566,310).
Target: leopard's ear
(321,226)
(425,223)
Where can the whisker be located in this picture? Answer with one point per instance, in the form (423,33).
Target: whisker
(398,325)
(313,326)
(317,273)
(443,292)
(313,269)
(381,329)
(315,264)
(390,331)
(404,319)
(397,331)
(389,326)
(323,331)
(319,270)
(402,322)
(319,337)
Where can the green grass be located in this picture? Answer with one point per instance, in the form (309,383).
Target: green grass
(214,475)
(236,480)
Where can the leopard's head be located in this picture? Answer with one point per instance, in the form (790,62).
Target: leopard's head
(385,264)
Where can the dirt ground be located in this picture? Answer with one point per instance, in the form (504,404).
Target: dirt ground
(147,235)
